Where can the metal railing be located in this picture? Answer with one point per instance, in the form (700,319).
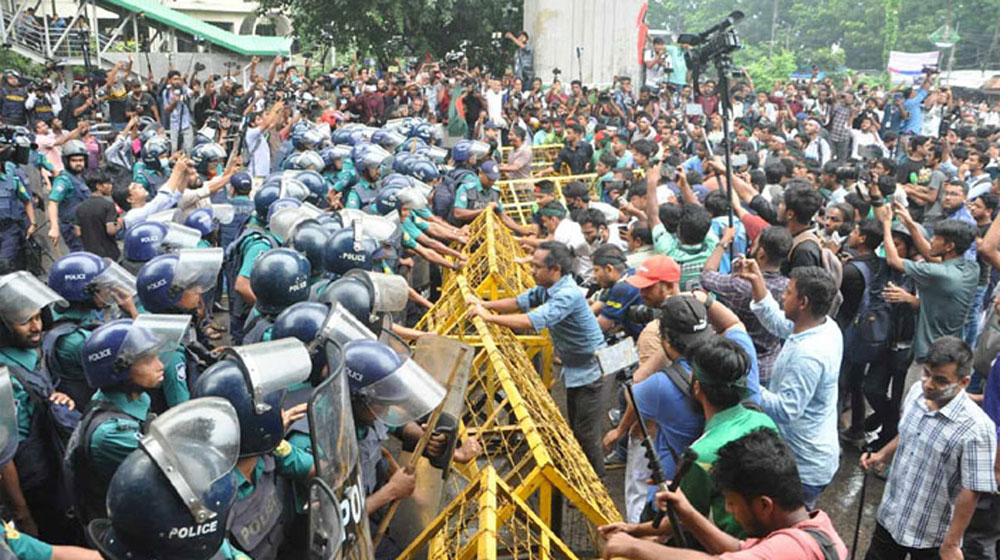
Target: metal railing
(55,41)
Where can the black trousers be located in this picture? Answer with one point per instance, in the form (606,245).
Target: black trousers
(586,408)
(883,547)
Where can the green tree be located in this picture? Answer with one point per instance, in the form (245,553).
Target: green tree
(390,29)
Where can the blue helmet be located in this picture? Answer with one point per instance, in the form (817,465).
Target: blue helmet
(305,160)
(339,136)
(263,198)
(169,499)
(241,182)
(369,361)
(72,276)
(348,249)
(357,298)
(410,145)
(315,183)
(162,282)
(397,180)
(333,153)
(433,153)
(279,278)
(423,131)
(281,204)
(387,200)
(461,151)
(204,155)
(303,321)
(397,390)
(108,354)
(203,220)
(143,240)
(310,239)
(253,378)
(424,170)
(401,162)
(304,136)
(154,151)
(369,156)
(388,139)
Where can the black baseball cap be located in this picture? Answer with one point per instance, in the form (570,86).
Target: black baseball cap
(686,321)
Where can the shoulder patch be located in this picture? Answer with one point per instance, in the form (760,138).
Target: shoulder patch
(283,449)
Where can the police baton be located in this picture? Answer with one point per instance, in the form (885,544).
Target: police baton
(418,451)
(861,503)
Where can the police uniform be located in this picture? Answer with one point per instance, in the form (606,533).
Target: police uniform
(15,545)
(264,508)
(413,227)
(69,190)
(150,178)
(61,348)
(13,217)
(242,212)
(362,195)
(43,110)
(174,389)
(12,107)
(472,195)
(115,438)
(343,179)
(241,256)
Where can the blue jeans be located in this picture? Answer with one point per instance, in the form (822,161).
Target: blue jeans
(971,331)
(810,494)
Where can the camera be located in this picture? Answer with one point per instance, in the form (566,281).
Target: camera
(642,314)
(715,43)
(16,144)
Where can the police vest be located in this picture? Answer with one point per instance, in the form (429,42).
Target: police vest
(255,328)
(88,488)
(235,251)
(12,106)
(80,192)
(366,193)
(242,210)
(77,388)
(479,199)
(11,206)
(153,179)
(259,523)
(43,109)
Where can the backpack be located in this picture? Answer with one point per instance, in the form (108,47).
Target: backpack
(826,544)
(444,195)
(868,333)
(830,263)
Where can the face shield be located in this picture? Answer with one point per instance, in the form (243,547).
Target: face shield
(285,221)
(114,280)
(391,139)
(479,149)
(293,188)
(412,198)
(195,444)
(198,268)
(404,395)
(340,151)
(22,296)
(272,366)
(8,417)
(151,334)
(380,228)
(390,291)
(223,213)
(437,154)
(374,156)
(180,237)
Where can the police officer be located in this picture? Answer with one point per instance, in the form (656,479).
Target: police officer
(208,161)
(368,159)
(241,255)
(254,378)
(15,545)
(280,278)
(41,410)
(243,208)
(304,136)
(476,193)
(349,248)
(463,157)
(173,285)
(170,498)
(298,229)
(78,278)
(154,167)
(143,241)
(339,172)
(43,102)
(68,191)
(305,160)
(121,361)
(17,217)
(12,107)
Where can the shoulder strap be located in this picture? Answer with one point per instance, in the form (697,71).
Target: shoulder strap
(681,378)
(49,340)
(802,237)
(826,544)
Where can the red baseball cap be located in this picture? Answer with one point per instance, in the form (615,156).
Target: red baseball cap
(659,268)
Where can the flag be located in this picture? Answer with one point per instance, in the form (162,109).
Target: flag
(904,67)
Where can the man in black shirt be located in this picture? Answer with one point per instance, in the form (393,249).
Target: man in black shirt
(97,217)
(473,103)
(575,153)
(908,172)
(209,100)
(140,103)
(797,209)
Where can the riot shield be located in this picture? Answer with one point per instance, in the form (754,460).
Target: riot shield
(439,356)
(8,417)
(338,524)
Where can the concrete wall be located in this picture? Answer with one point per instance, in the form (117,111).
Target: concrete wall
(607,30)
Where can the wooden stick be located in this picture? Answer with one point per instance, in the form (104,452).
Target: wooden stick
(418,451)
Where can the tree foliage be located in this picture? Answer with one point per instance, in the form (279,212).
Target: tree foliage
(391,29)
(866,31)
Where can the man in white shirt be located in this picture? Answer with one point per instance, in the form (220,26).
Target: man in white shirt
(818,149)
(132,198)
(494,103)
(257,146)
(554,219)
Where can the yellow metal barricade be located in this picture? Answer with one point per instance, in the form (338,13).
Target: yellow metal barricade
(495,268)
(518,197)
(488,521)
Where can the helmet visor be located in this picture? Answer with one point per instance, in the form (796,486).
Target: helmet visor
(391,139)
(22,295)
(340,151)
(198,268)
(195,444)
(380,228)
(273,366)
(293,188)
(223,213)
(436,154)
(114,280)
(146,338)
(479,149)
(342,327)
(412,197)
(8,417)
(374,156)
(180,237)
(391,292)
(405,395)
(284,221)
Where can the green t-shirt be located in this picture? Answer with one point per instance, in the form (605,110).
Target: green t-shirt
(946,292)
(691,258)
(28,360)
(116,438)
(726,426)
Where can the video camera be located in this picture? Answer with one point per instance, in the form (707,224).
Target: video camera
(715,43)
(454,58)
(16,144)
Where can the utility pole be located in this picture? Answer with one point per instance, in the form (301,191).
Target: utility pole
(774,28)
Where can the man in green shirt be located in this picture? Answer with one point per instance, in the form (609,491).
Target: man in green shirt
(693,243)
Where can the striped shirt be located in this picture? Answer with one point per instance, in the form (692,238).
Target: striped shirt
(940,452)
